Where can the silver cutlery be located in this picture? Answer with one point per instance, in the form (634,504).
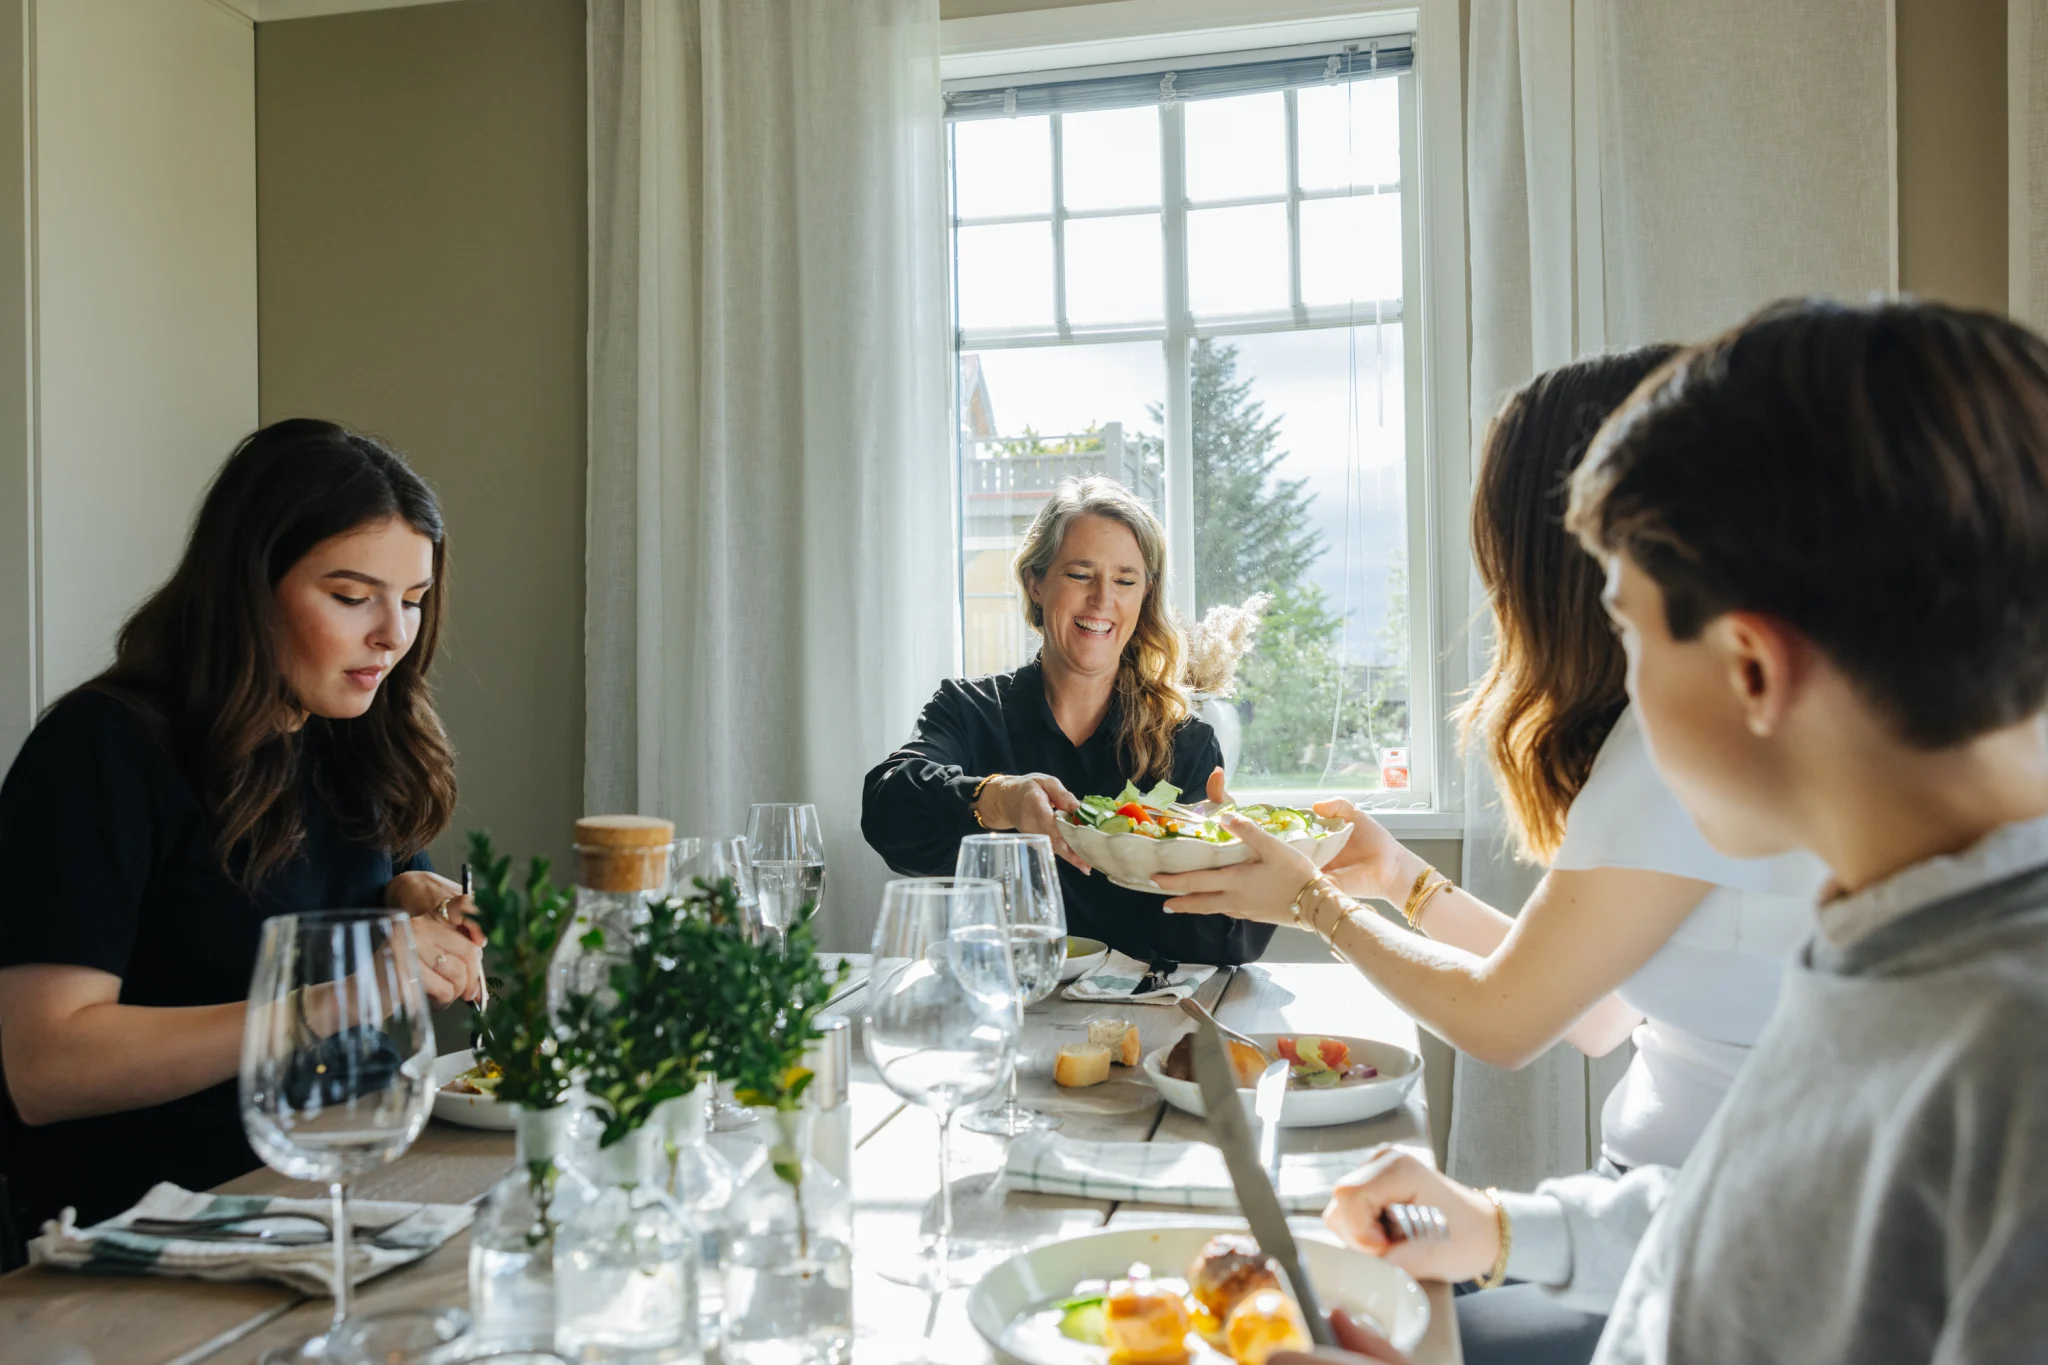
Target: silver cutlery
(1269,1097)
(1158,976)
(1255,1195)
(1200,1015)
(196,1227)
(1414,1223)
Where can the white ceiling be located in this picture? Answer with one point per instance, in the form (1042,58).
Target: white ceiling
(264,10)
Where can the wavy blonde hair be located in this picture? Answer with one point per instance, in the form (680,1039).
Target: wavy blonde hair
(1557,680)
(1152,704)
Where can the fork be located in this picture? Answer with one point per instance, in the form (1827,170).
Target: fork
(180,1227)
(1194,1010)
(1414,1223)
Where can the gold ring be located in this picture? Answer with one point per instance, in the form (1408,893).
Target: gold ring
(441,910)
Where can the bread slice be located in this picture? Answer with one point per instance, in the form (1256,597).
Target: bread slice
(1079,1064)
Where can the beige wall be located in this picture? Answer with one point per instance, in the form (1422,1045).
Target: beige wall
(145,311)
(420,204)
(1952,175)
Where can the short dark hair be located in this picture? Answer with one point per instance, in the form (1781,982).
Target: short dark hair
(1876,477)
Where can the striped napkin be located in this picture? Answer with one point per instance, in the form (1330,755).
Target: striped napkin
(110,1249)
(1189,1175)
(1117,974)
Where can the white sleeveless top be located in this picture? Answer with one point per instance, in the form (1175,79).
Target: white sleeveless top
(1707,992)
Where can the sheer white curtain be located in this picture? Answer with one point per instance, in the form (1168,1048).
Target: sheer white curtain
(2026,106)
(770,498)
(1641,173)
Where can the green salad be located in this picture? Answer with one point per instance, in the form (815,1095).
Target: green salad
(1157,814)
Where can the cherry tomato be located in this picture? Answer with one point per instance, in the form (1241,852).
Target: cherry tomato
(1285,1047)
(1137,813)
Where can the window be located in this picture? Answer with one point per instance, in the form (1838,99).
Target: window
(1195,277)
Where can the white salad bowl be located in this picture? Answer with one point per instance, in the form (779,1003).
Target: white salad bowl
(1350,1102)
(467,1111)
(1130,860)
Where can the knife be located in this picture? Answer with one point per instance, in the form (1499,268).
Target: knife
(1268,1099)
(1255,1196)
(1158,976)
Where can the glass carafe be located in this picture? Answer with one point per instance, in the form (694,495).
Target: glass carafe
(512,1241)
(702,1184)
(621,860)
(626,1265)
(788,1258)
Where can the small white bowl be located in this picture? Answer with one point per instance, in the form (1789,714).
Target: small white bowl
(1129,860)
(468,1111)
(1003,1305)
(1399,1069)
(1084,955)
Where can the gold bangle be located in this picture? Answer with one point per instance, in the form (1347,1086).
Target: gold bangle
(1499,1274)
(1422,890)
(1415,917)
(974,801)
(1324,889)
(1306,887)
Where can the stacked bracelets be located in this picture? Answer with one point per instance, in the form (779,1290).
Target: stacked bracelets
(1319,890)
(1427,883)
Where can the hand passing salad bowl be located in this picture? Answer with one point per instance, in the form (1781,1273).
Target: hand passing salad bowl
(1133,835)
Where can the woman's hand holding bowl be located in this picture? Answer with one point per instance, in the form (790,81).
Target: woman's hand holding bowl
(1029,803)
(1372,862)
(1262,887)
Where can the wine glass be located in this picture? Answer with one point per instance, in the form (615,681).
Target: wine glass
(1032,908)
(787,849)
(337,1062)
(940,1026)
(712,861)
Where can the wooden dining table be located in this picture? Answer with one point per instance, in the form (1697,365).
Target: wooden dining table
(73,1319)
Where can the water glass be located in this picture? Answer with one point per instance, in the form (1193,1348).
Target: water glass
(337,1062)
(787,849)
(1022,865)
(940,1026)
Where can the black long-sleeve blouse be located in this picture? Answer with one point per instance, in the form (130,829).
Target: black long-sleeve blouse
(917,803)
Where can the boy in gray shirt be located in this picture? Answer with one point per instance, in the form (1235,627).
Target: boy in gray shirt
(1827,544)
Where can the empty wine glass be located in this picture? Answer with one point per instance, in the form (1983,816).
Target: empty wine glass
(1022,865)
(787,849)
(940,1026)
(712,861)
(337,1062)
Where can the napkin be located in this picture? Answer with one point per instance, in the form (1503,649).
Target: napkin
(1190,1175)
(110,1249)
(1113,979)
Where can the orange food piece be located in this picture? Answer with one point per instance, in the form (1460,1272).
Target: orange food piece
(1265,1323)
(1143,1324)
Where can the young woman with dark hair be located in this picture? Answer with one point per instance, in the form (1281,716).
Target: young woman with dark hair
(265,742)
(1638,928)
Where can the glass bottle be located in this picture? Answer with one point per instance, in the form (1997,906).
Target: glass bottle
(788,1258)
(701,1182)
(621,860)
(626,1265)
(512,1241)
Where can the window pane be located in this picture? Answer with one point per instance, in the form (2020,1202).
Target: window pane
(1351,249)
(1237,260)
(1111,159)
(1350,135)
(1324,531)
(1002,166)
(1237,148)
(1006,275)
(1028,418)
(1114,270)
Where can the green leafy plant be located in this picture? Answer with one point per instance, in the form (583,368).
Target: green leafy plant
(522,925)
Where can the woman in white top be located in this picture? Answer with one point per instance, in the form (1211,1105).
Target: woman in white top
(1638,928)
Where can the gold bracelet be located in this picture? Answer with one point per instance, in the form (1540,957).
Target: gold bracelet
(1324,888)
(974,801)
(1442,884)
(1422,890)
(1499,1274)
(1306,887)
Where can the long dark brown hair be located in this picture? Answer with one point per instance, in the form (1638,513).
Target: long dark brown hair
(1557,680)
(200,658)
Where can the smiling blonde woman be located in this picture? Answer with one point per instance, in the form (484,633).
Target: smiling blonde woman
(1100,706)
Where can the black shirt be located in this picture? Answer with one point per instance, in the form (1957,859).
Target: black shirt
(110,852)
(918,806)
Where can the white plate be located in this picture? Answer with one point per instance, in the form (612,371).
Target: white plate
(1399,1069)
(1084,955)
(1004,1305)
(470,1111)
(1129,860)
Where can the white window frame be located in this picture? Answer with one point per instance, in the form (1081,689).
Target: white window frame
(1433,320)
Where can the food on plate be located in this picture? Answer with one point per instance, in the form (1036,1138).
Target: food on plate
(481,1079)
(1079,1064)
(1120,1036)
(1264,1323)
(1229,1270)
(1245,1061)
(1144,1323)
(1157,814)
(1319,1063)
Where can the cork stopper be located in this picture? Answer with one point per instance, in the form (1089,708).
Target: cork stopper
(623,852)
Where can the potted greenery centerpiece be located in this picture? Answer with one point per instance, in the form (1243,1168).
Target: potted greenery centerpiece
(512,1242)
